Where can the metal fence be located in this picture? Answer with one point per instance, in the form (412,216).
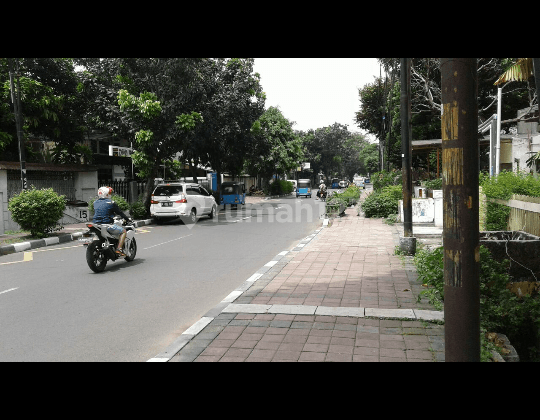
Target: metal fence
(122,189)
(62,183)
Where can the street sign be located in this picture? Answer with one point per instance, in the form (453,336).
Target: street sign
(120,151)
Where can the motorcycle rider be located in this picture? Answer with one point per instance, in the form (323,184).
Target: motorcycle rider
(104,210)
(322,190)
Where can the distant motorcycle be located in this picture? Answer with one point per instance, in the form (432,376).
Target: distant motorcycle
(101,245)
(323,195)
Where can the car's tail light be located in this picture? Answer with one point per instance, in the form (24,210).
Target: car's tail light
(183,199)
(154,202)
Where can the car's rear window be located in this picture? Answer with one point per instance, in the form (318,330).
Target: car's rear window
(303,184)
(167,190)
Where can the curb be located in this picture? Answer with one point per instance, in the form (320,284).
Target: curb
(170,351)
(39,243)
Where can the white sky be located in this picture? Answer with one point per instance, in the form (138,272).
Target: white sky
(316,92)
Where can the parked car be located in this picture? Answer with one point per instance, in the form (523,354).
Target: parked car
(180,200)
(360,183)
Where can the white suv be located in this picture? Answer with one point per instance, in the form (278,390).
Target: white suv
(181,200)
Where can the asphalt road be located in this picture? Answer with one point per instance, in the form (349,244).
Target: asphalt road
(54,308)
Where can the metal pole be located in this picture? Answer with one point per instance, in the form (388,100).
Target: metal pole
(498,151)
(460,146)
(16,99)
(492,140)
(406,158)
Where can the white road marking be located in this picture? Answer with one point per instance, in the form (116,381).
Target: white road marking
(172,240)
(9,290)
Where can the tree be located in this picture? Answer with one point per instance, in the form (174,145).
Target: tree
(334,150)
(233,101)
(51,106)
(154,101)
(279,148)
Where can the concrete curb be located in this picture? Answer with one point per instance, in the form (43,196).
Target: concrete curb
(191,332)
(66,237)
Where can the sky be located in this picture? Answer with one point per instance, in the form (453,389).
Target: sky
(316,92)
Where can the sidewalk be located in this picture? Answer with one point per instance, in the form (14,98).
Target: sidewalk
(340,295)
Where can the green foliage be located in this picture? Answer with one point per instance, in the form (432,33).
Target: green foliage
(278,149)
(37,211)
(434,184)
(429,266)
(503,187)
(137,210)
(384,202)
(189,121)
(350,195)
(281,187)
(500,310)
(385,178)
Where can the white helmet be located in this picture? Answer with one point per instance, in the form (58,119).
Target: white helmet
(105,192)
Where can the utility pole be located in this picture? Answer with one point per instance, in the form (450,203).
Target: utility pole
(16,99)
(407,242)
(460,148)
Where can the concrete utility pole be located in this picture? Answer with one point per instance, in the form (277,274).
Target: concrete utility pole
(407,242)
(460,148)
(16,99)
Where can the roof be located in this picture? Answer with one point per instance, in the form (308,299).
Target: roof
(437,143)
(49,167)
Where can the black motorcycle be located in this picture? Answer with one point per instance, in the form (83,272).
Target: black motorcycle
(101,246)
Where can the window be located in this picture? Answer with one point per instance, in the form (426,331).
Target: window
(168,190)
(192,190)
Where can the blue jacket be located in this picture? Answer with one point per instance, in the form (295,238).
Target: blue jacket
(105,209)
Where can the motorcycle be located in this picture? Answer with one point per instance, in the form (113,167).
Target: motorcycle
(322,195)
(101,245)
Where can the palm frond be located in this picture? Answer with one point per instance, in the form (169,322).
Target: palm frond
(521,70)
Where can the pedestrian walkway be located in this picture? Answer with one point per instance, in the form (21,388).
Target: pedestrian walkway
(340,295)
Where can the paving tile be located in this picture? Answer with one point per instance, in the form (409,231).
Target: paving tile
(338,357)
(311,357)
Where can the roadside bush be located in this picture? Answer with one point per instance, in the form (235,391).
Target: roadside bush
(434,184)
(137,209)
(37,211)
(384,202)
(384,178)
(503,186)
(501,310)
(350,195)
(281,187)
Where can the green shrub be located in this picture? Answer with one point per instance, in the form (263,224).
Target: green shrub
(352,193)
(281,187)
(434,184)
(137,210)
(501,310)
(37,211)
(383,203)
(384,178)
(502,187)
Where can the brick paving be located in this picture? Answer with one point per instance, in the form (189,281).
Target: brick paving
(350,264)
